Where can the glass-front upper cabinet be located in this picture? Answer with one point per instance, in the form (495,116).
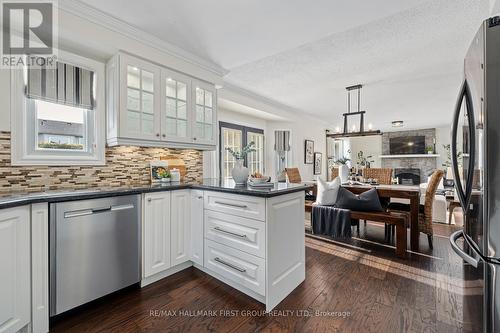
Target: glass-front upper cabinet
(140,99)
(176,107)
(151,105)
(205,113)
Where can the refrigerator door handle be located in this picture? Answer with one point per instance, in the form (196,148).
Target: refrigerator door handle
(453,241)
(454,162)
(472,143)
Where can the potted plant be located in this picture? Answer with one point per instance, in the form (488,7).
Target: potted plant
(364,161)
(447,164)
(429,150)
(343,168)
(240,172)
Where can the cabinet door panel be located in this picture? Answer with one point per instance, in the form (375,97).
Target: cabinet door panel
(197,227)
(156,231)
(180,226)
(176,100)
(139,99)
(15,303)
(205,113)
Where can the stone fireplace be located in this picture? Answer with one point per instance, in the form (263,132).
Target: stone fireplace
(407,176)
(415,169)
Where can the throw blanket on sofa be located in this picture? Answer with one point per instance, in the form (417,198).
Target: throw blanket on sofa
(331,221)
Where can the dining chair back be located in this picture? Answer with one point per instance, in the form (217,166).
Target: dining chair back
(335,172)
(425,219)
(383,175)
(293,175)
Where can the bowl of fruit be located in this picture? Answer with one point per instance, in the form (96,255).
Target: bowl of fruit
(258,178)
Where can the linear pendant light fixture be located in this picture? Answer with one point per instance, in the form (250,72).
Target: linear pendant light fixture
(354,96)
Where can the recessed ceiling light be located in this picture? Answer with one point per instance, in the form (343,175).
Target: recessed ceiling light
(397,123)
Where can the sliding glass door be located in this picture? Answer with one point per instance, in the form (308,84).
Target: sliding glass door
(236,137)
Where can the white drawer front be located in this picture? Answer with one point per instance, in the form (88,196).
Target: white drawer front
(240,205)
(237,266)
(238,232)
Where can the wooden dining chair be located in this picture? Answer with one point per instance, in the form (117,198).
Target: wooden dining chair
(425,211)
(293,175)
(383,175)
(335,172)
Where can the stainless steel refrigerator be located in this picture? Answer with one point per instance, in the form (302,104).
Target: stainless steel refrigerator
(476,168)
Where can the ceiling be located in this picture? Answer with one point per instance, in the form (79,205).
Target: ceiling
(407,53)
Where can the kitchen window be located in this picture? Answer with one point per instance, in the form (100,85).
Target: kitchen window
(236,137)
(58,113)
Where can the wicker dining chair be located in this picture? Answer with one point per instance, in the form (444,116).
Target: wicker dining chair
(383,175)
(335,172)
(425,211)
(293,175)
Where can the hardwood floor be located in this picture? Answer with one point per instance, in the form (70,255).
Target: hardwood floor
(357,286)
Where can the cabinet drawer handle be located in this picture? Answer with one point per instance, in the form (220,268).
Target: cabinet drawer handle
(239,269)
(230,204)
(230,233)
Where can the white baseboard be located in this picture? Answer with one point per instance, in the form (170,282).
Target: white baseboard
(172,270)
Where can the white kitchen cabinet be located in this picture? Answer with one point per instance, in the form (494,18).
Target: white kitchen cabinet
(150,105)
(180,227)
(205,124)
(177,113)
(156,233)
(40,267)
(139,99)
(15,290)
(197,227)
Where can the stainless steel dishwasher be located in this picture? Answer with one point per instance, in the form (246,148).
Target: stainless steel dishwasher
(94,249)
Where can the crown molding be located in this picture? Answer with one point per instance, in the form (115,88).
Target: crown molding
(288,110)
(94,15)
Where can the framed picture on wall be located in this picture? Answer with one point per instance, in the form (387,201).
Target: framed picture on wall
(318,160)
(308,152)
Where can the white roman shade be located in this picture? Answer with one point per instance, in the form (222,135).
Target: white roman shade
(64,84)
(281,141)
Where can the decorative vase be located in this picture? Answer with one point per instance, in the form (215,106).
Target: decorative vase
(344,173)
(240,173)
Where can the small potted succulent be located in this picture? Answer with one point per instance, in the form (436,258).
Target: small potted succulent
(240,172)
(429,150)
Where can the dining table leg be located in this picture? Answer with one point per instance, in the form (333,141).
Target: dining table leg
(414,232)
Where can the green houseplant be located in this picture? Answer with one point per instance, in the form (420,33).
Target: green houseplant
(240,172)
(364,161)
(343,168)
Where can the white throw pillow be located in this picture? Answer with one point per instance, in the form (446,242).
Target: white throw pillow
(327,192)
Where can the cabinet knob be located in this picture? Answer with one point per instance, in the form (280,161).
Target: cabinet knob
(164,135)
(194,139)
(200,197)
(149,199)
(158,134)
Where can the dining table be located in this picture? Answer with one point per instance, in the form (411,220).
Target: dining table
(409,192)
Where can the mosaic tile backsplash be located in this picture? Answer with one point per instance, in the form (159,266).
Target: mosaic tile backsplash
(125,166)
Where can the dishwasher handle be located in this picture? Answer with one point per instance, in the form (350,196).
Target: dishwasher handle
(85,212)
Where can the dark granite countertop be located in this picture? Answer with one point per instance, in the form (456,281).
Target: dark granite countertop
(13,199)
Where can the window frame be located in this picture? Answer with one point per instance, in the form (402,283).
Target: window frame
(244,141)
(23,151)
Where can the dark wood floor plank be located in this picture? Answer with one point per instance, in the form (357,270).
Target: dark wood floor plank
(359,280)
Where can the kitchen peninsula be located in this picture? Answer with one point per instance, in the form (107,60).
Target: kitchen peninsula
(250,239)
